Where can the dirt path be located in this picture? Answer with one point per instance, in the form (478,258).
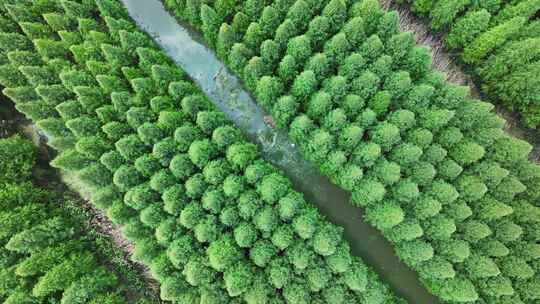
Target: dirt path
(443,61)
(102,224)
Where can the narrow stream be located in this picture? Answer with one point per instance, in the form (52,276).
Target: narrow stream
(225,90)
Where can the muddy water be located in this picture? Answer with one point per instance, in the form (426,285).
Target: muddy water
(199,62)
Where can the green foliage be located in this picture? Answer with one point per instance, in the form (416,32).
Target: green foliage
(268,90)
(456,289)
(273,187)
(56,258)
(491,39)
(385,215)
(254,36)
(17,159)
(304,85)
(210,23)
(368,192)
(467,28)
(481,32)
(415,251)
(326,239)
(444,12)
(385,128)
(201,152)
(222,253)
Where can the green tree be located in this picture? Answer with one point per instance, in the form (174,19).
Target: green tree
(201,152)
(197,273)
(283,237)
(279,272)
(254,36)
(491,39)
(365,85)
(516,268)
(444,13)
(225,8)
(234,186)
(245,234)
(239,56)
(493,248)
(387,172)
(525,9)
(386,215)
(237,279)
(385,135)
(507,150)
(498,286)
(207,230)
(455,251)
(456,289)
(340,261)
(298,13)
(337,47)
(507,231)
(370,11)
(248,203)
(368,192)
(225,40)
(306,223)
(262,252)
(326,239)
(300,256)
(89,286)
(319,105)
(216,171)
(481,267)
(266,220)
(273,187)
(415,251)
(17,159)
(474,231)
(467,28)
(195,186)
(300,48)
(284,111)
(222,253)
(62,275)
(407,230)
(290,205)
(319,30)
(269,89)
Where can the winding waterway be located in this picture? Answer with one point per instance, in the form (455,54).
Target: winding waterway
(187,49)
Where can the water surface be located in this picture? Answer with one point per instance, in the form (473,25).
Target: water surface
(186,48)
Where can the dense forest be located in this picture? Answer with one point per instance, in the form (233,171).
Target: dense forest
(46,256)
(498,41)
(432,168)
(211,220)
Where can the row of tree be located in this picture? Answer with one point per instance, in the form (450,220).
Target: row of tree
(434,170)
(499,41)
(214,222)
(45,256)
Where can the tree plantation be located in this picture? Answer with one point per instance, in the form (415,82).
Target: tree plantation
(44,251)
(498,41)
(213,221)
(432,168)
